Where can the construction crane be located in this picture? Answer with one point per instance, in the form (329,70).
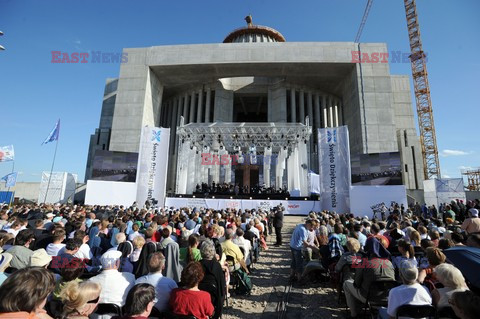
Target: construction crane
(431,164)
(364,19)
(473,177)
(428,140)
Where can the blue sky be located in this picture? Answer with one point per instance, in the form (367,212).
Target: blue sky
(34,92)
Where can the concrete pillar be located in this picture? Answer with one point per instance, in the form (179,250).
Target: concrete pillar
(192,107)
(179,110)
(330,111)
(168,114)
(340,113)
(301,106)
(293,106)
(317,111)
(277,104)
(200,106)
(207,105)
(336,113)
(310,107)
(324,111)
(185,108)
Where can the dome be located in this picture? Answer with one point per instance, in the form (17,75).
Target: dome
(254,33)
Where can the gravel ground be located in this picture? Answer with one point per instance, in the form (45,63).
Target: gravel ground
(270,282)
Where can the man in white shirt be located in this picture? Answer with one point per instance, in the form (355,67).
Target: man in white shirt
(84,252)
(115,284)
(163,285)
(410,293)
(58,237)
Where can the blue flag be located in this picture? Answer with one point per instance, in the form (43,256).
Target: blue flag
(10,179)
(54,134)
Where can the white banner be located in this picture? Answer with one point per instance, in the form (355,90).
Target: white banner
(152,165)
(334,158)
(119,193)
(362,198)
(292,207)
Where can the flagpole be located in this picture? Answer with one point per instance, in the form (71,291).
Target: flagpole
(51,171)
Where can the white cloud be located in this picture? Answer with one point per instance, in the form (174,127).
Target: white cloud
(465,168)
(446,176)
(446,153)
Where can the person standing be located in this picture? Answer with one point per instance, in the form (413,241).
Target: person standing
(278,224)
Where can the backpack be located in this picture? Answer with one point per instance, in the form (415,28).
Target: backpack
(244,286)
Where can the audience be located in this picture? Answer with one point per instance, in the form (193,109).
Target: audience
(128,240)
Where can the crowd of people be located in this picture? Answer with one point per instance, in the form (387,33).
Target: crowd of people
(73,261)
(409,256)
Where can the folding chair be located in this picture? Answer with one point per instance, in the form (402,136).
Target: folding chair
(417,311)
(446,312)
(108,308)
(377,295)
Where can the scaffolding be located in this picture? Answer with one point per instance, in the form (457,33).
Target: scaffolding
(473,178)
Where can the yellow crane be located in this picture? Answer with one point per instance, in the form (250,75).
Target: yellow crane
(426,125)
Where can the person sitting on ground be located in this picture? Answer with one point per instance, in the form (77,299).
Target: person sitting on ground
(452,280)
(20,251)
(140,302)
(80,299)
(163,285)
(115,285)
(189,300)
(377,267)
(465,304)
(36,283)
(409,293)
(58,237)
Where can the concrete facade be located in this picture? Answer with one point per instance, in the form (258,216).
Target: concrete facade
(204,82)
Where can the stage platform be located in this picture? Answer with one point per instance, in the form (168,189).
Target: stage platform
(292,207)
(281,196)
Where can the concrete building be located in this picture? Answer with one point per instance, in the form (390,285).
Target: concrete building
(256,76)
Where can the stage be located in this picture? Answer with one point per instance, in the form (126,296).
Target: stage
(292,207)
